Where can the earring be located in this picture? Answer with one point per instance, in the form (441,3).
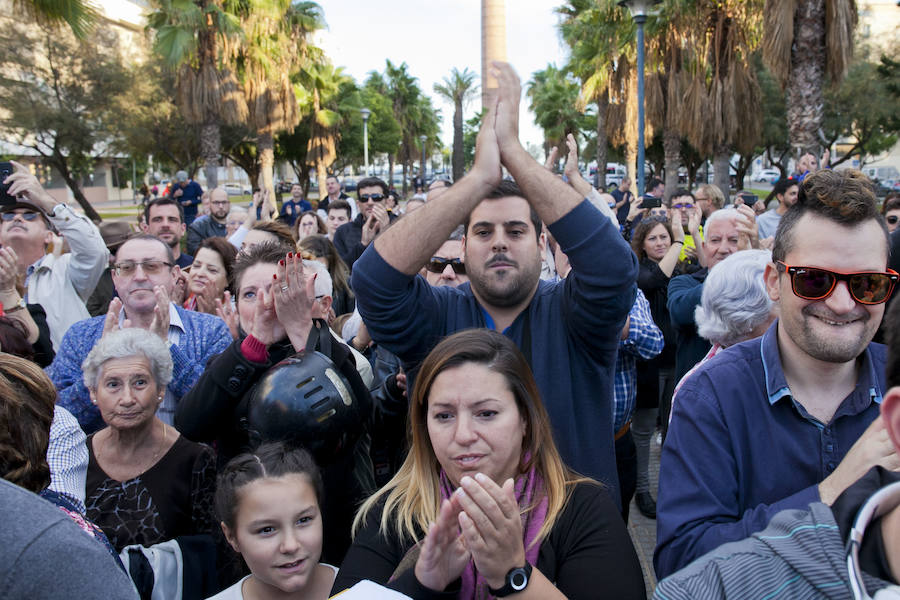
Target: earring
(159,398)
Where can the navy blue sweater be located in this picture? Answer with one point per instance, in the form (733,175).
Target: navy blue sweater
(575,327)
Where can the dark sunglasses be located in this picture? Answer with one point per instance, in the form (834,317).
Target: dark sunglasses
(892,219)
(28,216)
(682,206)
(372,197)
(437,265)
(811,283)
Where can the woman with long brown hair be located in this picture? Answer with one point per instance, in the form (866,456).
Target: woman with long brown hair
(483,505)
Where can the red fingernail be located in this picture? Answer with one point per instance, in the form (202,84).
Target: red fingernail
(275,277)
(290,255)
(281,262)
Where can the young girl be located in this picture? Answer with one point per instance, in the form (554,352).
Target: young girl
(268,503)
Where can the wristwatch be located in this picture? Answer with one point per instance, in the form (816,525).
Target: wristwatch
(516,581)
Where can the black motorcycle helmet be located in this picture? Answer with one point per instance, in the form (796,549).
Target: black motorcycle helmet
(306,401)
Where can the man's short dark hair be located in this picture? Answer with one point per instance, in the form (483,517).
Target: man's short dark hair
(371,182)
(163,201)
(892,323)
(653,184)
(508,188)
(340,205)
(678,193)
(335,177)
(170,257)
(846,197)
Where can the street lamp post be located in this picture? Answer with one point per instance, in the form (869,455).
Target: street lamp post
(422,139)
(639,10)
(365,112)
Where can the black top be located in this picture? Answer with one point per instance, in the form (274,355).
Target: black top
(588,554)
(655,285)
(172,498)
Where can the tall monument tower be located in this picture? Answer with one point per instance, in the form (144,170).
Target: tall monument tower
(493,44)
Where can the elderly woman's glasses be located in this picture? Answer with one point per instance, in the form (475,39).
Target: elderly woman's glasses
(811,283)
(127,268)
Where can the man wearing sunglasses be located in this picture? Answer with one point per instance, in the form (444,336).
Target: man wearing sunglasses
(60,284)
(786,419)
(846,550)
(567,330)
(144,275)
(447,266)
(352,238)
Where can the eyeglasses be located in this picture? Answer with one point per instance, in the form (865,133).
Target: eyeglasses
(372,197)
(682,206)
(28,216)
(126,268)
(437,265)
(220,202)
(892,219)
(811,283)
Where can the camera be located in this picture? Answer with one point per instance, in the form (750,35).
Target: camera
(6,169)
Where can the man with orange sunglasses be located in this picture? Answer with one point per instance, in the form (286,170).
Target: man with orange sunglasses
(792,417)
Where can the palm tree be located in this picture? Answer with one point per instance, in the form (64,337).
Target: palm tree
(193,38)
(711,79)
(599,35)
(553,98)
(460,89)
(805,40)
(318,94)
(79,15)
(276,47)
(411,109)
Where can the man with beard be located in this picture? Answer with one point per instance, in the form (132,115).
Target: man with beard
(783,420)
(215,224)
(567,330)
(164,218)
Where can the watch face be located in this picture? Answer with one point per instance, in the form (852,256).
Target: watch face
(518,579)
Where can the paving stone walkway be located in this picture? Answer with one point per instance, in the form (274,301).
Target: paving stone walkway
(642,529)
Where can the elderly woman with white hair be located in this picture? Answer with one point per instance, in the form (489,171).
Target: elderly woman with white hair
(735,305)
(145,483)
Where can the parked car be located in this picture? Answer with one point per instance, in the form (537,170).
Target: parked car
(235,189)
(284,187)
(768,175)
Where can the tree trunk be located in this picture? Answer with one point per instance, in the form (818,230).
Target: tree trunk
(672,152)
(602,141)
(63,167)
(404,178)
(265,149)
(458,153)
(721,165)
(210,145)
(805,104)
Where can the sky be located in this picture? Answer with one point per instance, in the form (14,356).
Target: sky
(432,37)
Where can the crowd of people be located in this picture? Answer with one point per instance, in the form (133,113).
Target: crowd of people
(456,396)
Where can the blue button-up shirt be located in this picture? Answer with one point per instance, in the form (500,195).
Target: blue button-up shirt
(740,448)
(645,340)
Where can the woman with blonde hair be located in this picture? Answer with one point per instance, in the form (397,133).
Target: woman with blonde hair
(483,506)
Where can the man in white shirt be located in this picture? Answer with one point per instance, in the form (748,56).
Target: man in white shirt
(61,284)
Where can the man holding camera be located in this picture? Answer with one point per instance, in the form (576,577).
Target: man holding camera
(61,284)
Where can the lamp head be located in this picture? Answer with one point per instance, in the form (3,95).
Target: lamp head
(639,8)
